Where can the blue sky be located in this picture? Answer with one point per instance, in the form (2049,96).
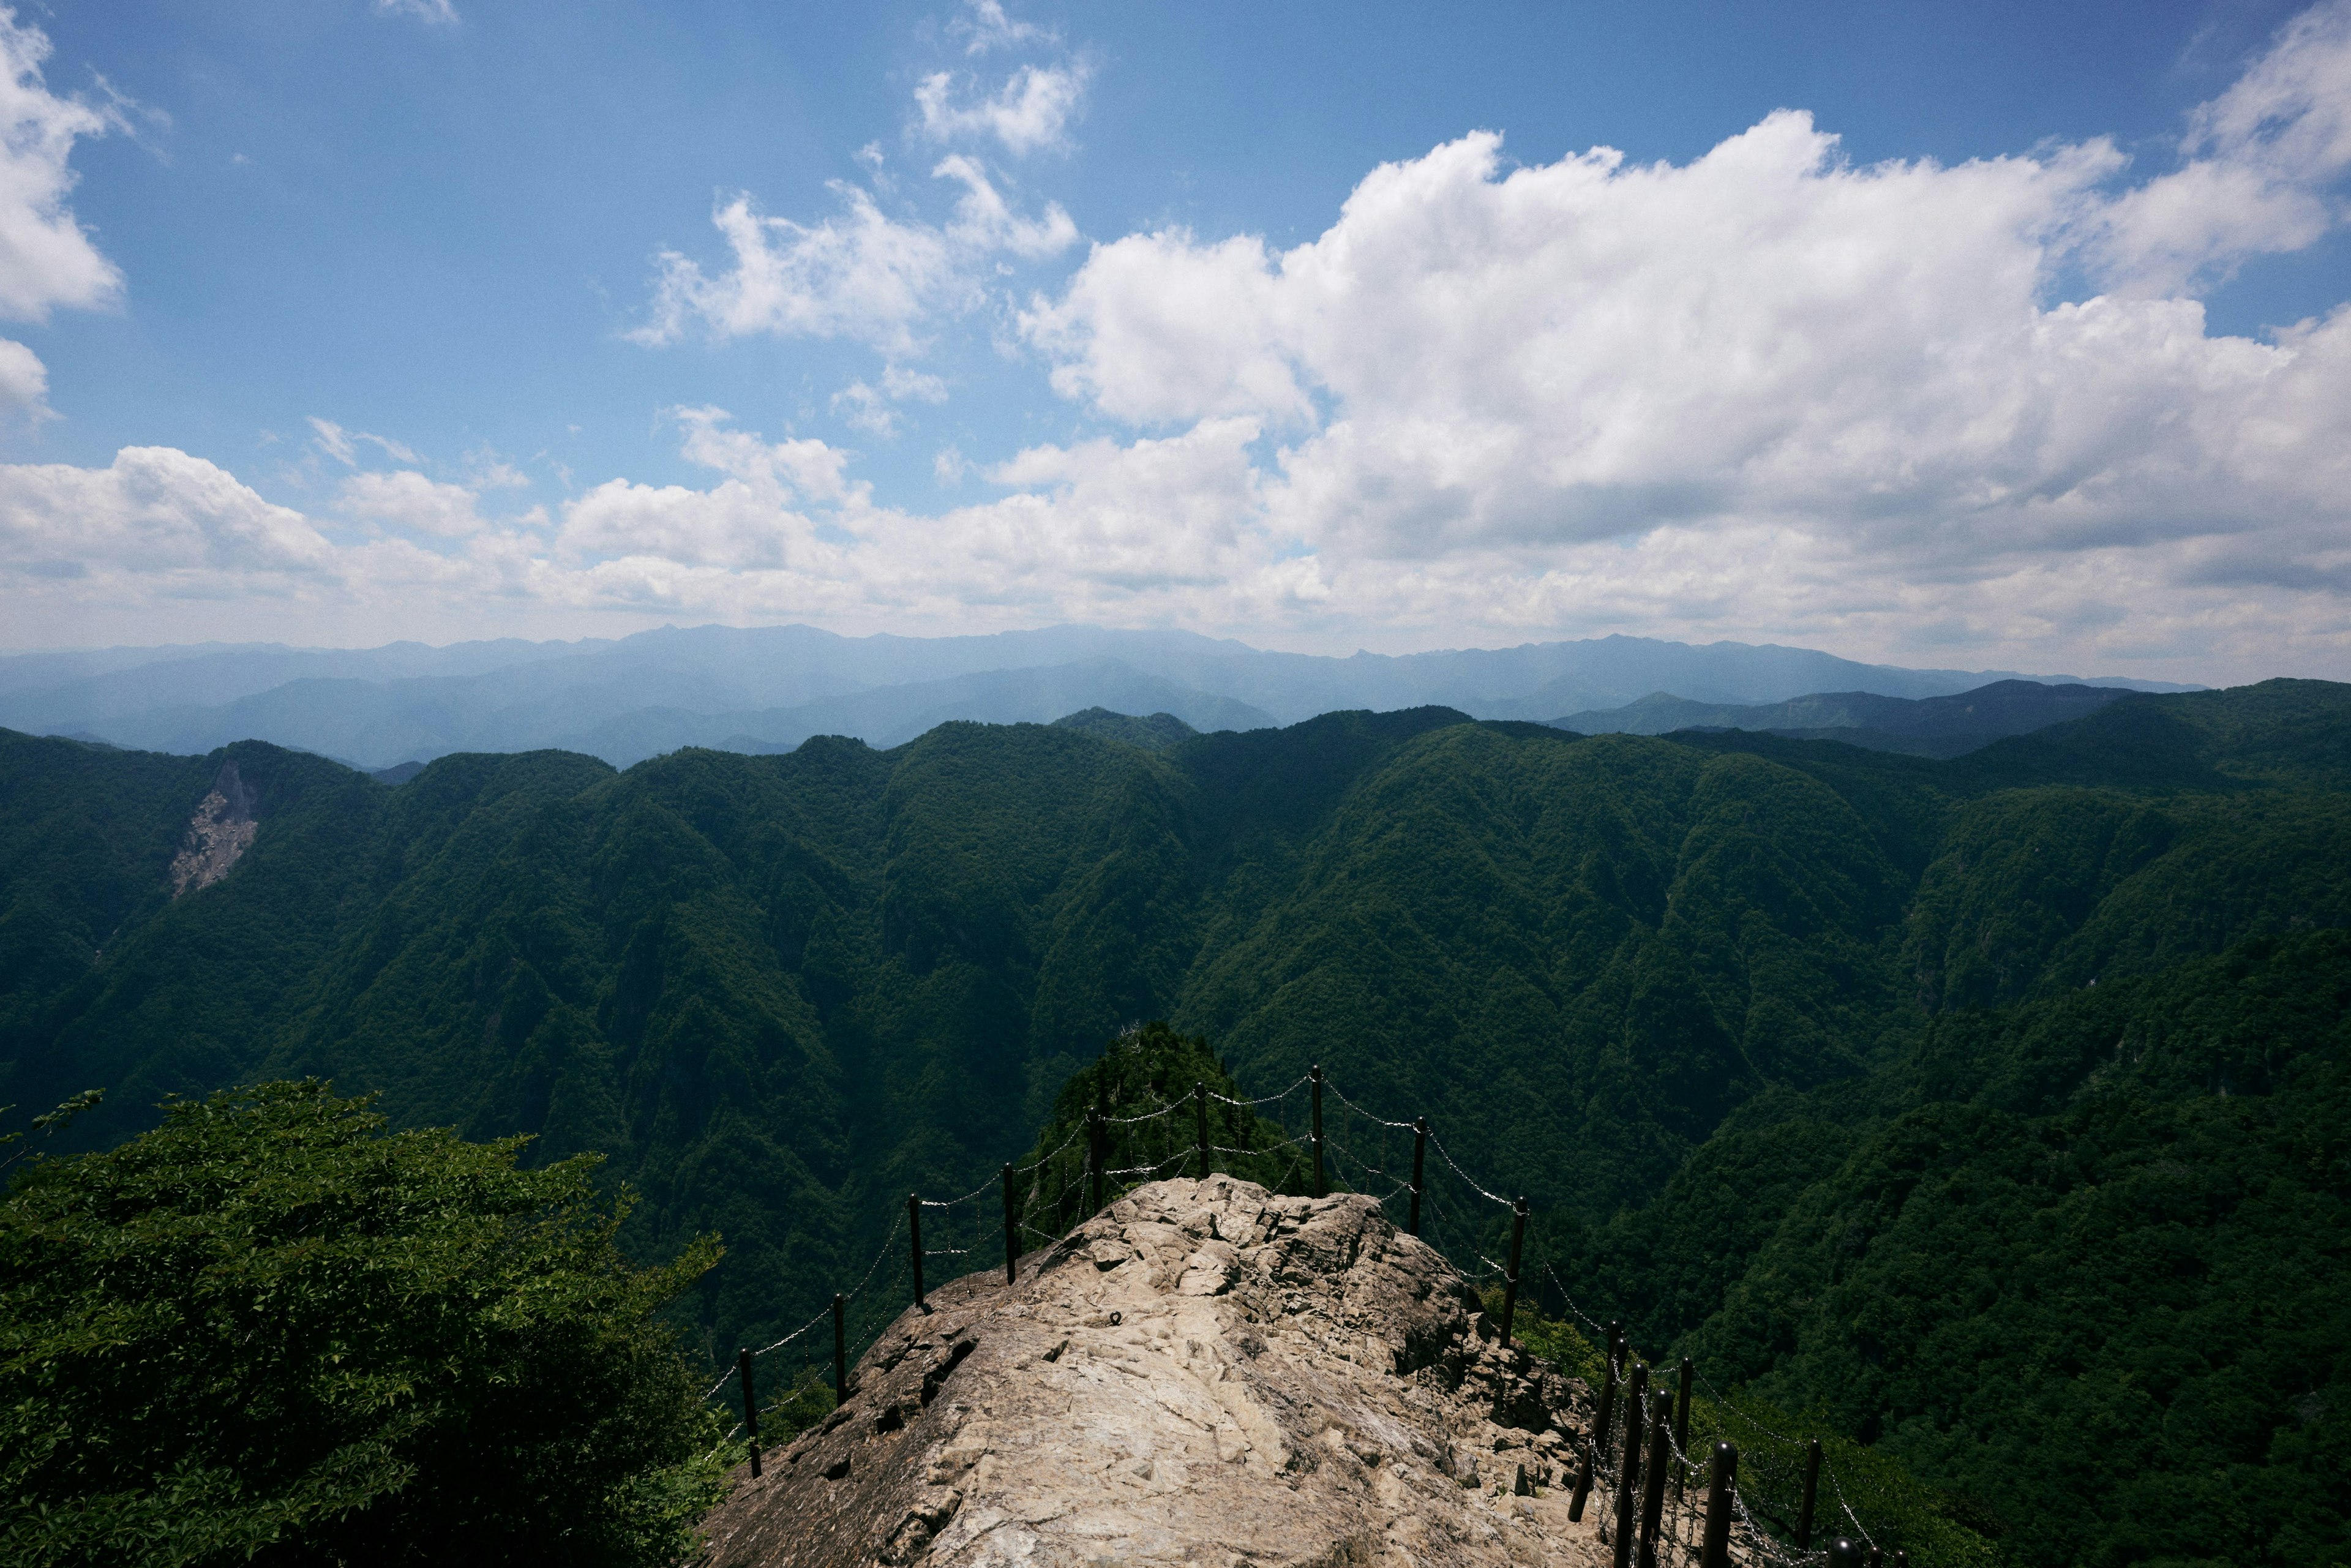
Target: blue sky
(413,319)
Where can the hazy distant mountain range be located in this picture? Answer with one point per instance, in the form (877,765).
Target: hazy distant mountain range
(769,688)
(1923,726)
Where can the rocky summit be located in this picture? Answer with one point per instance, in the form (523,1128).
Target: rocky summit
(1204,1373)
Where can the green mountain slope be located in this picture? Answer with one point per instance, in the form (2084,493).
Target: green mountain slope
(1696,996)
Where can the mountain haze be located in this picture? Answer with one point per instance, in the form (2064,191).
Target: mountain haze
(769,688)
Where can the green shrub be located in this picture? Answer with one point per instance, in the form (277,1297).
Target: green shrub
(268,1330)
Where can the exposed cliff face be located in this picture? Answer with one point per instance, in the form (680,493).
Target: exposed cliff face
(1203,1374)
(218,834)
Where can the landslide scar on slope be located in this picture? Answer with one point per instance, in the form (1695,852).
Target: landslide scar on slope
(218,834)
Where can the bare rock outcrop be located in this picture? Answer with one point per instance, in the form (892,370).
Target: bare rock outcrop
(218,834)
(1203,1374)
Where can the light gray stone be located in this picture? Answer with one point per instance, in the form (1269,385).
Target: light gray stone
(1202,1374)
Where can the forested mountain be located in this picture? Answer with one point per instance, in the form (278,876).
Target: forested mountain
(1993,1108)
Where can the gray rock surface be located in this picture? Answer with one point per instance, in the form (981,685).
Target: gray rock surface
(1201,1375)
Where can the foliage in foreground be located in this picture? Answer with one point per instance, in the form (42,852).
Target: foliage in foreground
(268,1331)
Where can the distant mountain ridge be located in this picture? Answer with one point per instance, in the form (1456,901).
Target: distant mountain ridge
(769,688)
(1920,726)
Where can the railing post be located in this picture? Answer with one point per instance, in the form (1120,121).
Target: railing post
(1102,1129)
(1011,1233)
(1716,1551)
(1582,1486)
(1681,1423)
(1812,1495)
(1200,1116)
(750,1405)
(1510,1280)
(1652,1488)
(839,1348)
(1419,1159)
(1628,1475)
(1876,1558)
(1845,1553)
(1098,1156)
(915,1232)
(1602,1427)
(1322,1189)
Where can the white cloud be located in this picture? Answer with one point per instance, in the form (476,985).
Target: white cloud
(985,27)
(1501,388)
(1766,395)
(2260,158)
(342,445)
(435,13)
(153,511)
(24,382)
(861,275)
(1031,112)
(47,258)
(407,499)
(912,386)
(867,410)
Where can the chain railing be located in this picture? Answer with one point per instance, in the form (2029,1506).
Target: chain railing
(1610,1465)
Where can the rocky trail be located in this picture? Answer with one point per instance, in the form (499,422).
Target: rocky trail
(1204,1373)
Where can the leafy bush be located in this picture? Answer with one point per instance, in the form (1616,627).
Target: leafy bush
(268,1330)
(1144,1080)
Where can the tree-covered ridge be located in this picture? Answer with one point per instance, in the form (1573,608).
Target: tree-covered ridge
(1668,987)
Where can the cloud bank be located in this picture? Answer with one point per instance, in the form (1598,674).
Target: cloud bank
(1899,409)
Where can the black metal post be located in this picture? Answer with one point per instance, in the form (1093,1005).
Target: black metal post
(1653,1485)
(1100,1144)
(839,1348)
(914,1230)
(1322,1189)
(1715,1553)
(1419,1158)
(1098,1156)
(1011,1233)
(1582,1486)
(1200,1114)
(750,1405)
(1681,1423)
(1812,1495)
(1602,1427)
(1902,1559)
(1510,1280)
(1876,1558)
(1845,1553)
(1628,1475)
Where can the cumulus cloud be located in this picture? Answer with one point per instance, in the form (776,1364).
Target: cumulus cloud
(47,258)
(24,380)
(1499,386)
(407,499)
(154,511)
(1031,112)
(861,275)
(2259,162)
(1766,394)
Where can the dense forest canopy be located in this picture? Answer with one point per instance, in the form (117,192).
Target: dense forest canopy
(1989,1110)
